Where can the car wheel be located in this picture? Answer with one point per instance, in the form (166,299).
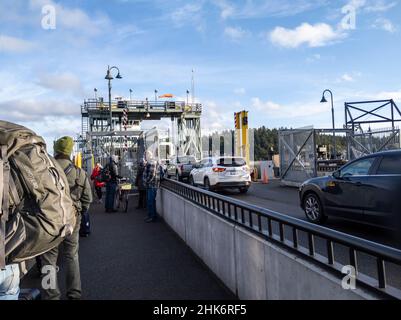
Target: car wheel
(243,190)
(207,184)
(313,208)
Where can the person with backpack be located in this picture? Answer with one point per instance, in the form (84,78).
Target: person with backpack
(111,177)
(96,177)
(36,209)
(81,195)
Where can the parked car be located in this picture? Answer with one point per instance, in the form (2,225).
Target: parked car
(180,167)
(366,190)
(221,173)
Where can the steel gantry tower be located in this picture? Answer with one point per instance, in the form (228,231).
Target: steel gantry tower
(100,141)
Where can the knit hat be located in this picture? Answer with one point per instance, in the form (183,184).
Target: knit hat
(64,146)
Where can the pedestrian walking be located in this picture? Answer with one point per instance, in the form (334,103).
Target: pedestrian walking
(151,178)
(139,183)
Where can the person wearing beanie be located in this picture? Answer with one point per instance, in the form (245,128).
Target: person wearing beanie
(81,195)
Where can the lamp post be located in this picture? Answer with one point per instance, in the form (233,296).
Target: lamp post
(109,77)
(156,95)
(332,116)
(130,94)
(95,90)
(187,97)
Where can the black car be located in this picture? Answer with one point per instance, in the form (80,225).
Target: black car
(366,190)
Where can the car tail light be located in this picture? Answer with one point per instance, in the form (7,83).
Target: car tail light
(219,169)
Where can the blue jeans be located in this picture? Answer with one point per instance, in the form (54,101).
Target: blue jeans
(151,202)
(111,189)
(9,283)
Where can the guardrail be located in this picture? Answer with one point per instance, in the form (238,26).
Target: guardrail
(260,221)
(164,106)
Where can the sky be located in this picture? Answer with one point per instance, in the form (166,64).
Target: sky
(273,58)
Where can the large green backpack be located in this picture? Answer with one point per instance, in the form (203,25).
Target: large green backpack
(36,209)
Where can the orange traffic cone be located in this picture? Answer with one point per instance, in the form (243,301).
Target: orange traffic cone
(265,177)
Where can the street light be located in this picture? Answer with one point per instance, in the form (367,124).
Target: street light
(109,77)
(130,94)
(332,116)
(156,95)
(95,90)
(187,97)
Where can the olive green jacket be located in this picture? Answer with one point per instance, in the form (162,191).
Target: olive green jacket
(80,188)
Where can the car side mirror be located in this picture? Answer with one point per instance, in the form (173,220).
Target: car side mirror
(337,174)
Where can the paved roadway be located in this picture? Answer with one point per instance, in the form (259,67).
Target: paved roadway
(126,258)
(285,200)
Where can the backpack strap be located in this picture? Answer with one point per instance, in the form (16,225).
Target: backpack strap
(69,169)
(4,200)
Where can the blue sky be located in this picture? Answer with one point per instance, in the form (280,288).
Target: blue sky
(271,57)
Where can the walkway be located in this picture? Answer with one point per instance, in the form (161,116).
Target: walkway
(126,258)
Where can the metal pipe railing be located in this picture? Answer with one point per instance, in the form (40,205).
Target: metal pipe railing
(255,219)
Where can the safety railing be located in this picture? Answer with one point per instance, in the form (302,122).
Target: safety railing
(260,221)
(163,106)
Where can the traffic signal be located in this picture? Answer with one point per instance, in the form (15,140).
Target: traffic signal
(244,118)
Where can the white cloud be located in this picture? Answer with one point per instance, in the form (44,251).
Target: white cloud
(380,6)
(384,24)
(191,13)
(75,19)
(64,82)
(317,35)
(235,33)
(14,45)
(256,9)
(260,105)
(346,77)
(395,95)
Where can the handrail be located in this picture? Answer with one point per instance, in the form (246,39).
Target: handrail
(228,209)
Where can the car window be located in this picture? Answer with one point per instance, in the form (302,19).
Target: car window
(358,168)
(390,165)
(204,163)
(231,162)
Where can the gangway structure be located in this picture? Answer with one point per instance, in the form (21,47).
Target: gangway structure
(104,133)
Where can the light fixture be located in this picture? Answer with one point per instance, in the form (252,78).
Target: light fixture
(323,99)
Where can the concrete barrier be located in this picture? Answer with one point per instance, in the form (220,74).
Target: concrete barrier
(249,266)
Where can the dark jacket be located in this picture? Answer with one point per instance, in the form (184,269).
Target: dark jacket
(139,177)
(80,188)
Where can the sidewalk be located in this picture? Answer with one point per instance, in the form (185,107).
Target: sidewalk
(126,258)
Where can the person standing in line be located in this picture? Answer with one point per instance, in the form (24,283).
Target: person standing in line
(151,177)
(139,183)
(81,194)
(111,184)
(96,177)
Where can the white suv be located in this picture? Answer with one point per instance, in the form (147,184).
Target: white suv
(221,173)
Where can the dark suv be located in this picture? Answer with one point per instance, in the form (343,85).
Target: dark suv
(366,190)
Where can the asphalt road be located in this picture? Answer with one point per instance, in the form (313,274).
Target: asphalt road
(285,200)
